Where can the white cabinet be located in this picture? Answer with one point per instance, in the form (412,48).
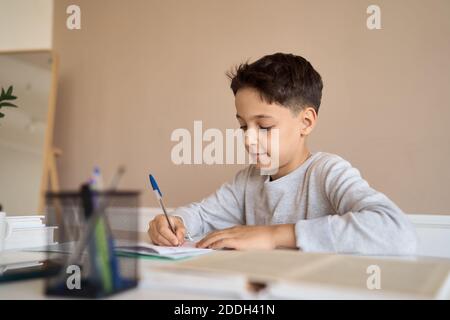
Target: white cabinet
(434,234)
(26,24)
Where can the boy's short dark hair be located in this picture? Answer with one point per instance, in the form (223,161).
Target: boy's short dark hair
(286,79)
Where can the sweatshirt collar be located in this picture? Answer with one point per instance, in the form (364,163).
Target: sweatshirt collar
(295,174)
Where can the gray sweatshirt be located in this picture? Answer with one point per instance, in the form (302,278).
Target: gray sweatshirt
(333,208)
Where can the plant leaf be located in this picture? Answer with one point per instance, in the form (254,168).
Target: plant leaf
(3,92)
(1,115)
(9,98)
(7,104)
(10,90)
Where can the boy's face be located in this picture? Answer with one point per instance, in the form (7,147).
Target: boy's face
(274,136)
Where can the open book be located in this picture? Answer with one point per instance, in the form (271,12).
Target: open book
(188,249)
(290,274)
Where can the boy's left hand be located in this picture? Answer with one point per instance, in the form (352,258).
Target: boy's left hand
(240,238)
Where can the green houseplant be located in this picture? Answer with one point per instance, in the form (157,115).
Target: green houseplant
(6,96)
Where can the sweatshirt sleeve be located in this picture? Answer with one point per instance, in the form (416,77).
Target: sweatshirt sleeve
(364,222)
(223,209)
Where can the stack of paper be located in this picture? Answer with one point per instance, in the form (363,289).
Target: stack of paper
(17,260)
(28,232)
(188,249)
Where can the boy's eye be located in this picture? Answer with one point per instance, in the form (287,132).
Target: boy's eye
(261,127)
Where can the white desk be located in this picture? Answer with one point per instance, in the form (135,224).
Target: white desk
(34,289)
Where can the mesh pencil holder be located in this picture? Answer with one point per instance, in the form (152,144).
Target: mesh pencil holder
(90,225)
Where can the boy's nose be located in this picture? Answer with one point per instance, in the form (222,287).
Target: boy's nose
(251,137)
(251,146)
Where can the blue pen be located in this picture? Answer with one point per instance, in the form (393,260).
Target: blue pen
(158,194)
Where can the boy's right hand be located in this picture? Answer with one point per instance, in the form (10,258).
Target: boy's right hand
(160,233)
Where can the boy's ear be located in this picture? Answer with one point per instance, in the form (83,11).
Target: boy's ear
(308,118)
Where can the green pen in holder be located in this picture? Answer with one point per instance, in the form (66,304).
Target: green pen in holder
(90,224)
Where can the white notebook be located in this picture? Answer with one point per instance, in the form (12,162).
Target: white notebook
(188,249)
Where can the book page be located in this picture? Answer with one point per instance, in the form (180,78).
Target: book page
(144,248)
(409,278)
(258,266)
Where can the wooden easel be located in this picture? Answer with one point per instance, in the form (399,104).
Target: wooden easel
(50,172)
(50,175)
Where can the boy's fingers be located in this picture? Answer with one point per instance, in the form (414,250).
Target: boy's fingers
(162,221)
(176,221)
(159,232)
(203,242)
(213,237)
(162,241)
(152,232)
(180,229)
(229,243)
(169,235)
(149,231)
(156,237)
(208,237)
(181,232)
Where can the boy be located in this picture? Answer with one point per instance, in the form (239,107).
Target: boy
(314,202)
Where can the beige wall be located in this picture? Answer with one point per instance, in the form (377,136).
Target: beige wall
(140,69)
